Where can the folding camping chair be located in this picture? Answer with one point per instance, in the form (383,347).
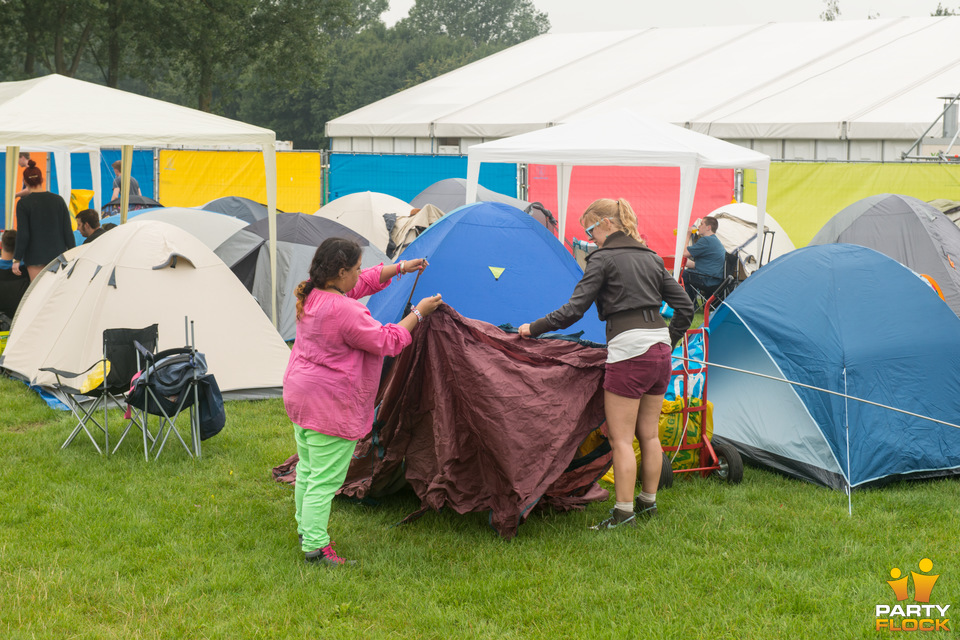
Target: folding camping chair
(120,361)
(717,293)
(168,385)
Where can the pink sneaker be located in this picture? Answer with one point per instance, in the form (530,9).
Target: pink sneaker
(327,556)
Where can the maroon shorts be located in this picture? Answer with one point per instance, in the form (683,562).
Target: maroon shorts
(648,373)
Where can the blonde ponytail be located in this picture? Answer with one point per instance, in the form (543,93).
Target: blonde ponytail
(618,211)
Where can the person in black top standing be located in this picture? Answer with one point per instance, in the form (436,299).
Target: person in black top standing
(628,283)
(44,230)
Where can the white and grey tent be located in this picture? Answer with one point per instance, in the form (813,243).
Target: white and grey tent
(737,230)
(298,236)
(208,227)
(364,213)
(904,228)
(141,273)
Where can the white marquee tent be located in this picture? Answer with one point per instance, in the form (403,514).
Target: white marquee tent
(623,138)
(60,114)
(844,90)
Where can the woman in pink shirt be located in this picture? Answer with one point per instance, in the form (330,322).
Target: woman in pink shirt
(332,377)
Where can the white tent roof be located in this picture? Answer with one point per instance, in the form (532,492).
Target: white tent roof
(58,112)
(856,79)
(622,138)
(128,279)
(64,114)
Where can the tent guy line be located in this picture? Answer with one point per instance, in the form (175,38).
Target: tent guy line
(808,386)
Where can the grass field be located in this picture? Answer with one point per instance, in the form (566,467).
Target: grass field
(94,547)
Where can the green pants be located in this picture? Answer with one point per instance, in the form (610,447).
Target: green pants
(322,468)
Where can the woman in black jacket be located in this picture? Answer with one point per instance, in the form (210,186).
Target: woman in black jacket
(628,283)
(44,230)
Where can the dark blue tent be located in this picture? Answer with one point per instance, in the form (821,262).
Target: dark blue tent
(853,321)
(491,262)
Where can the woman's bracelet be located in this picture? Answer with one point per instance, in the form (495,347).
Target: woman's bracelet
(416,312)
(400,268)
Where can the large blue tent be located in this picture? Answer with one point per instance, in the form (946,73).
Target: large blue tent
(848,319)
(491,262)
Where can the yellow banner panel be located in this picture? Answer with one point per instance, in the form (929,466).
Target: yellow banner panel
(804,195)
(192,178)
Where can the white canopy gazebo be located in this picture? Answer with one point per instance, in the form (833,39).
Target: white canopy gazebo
(623,138)
(63,115)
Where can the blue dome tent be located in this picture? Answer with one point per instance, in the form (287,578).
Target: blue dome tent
(848,319)
(491,262)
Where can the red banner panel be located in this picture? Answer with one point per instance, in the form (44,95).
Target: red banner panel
(653,192)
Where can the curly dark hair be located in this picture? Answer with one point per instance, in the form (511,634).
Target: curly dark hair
(332,255)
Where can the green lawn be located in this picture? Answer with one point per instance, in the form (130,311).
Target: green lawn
(94,547)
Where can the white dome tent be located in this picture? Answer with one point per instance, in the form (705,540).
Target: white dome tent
(138,274)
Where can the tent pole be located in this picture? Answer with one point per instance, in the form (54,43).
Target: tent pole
(61,159)
(763,180)
(473,178)
(564,173)
(95,175)
(13,155)
(846,421)
(126,160)
(270,169)
(689,175)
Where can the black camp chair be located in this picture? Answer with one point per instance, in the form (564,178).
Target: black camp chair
(120,351)
(717,293)
(171,382)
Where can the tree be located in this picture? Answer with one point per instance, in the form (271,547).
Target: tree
(944,11)
(50,36)
(214,50)
(504,22)
(832,11)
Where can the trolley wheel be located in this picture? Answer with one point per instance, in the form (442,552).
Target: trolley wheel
(666,473)
(730,462)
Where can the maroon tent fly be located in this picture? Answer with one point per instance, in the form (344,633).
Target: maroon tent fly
(478,419)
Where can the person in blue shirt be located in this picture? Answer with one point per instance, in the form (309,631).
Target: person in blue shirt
(707,254)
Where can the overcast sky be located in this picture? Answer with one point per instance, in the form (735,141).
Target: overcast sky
(610,15)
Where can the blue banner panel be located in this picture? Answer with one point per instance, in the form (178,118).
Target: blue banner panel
(405,176)
(80,177)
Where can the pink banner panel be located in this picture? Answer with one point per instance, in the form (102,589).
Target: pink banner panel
(653,192)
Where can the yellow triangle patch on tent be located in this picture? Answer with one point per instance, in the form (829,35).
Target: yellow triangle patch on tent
(497,272)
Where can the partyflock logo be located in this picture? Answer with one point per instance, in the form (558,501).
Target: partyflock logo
(921,616)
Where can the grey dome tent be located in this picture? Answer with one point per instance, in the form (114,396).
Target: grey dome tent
(451,193)
(298,236)
(248,210)
(912,232)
